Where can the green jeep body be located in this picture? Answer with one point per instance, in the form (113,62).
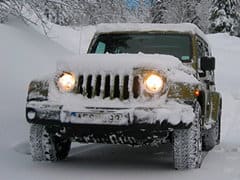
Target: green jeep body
(143,122)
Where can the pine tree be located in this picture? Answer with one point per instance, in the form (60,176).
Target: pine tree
(224,16)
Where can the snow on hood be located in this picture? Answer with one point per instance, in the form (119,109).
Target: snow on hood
(172,67)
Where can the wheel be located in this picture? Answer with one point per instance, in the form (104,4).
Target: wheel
(212,136)
(47,147)
(187,144)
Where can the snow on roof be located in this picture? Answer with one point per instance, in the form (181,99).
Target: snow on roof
(143,27)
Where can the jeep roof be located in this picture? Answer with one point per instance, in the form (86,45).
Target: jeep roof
(140,27)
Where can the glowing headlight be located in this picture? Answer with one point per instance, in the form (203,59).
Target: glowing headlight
(66,82)
(153,83)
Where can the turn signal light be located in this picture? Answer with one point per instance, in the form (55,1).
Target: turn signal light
(197,93)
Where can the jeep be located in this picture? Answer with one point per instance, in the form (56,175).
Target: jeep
(138,85)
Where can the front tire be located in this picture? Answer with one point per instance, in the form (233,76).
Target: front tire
(46,146)
(187,144)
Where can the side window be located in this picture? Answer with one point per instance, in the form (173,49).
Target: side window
(101,47)
(207,50)
(204,51)
(201,49)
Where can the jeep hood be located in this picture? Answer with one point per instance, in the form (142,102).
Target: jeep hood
(173,68)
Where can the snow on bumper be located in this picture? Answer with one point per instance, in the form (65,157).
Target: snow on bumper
(171,113)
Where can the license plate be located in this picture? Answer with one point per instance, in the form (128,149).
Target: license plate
(113,118)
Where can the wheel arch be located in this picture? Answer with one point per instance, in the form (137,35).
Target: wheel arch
(38,90)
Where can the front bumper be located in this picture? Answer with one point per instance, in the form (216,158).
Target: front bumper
(175,116)
(138,126)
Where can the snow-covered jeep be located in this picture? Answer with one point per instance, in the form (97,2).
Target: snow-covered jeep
(140,85)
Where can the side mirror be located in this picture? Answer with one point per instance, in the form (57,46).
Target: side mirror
(207,63)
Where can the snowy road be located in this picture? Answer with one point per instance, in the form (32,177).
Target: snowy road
(25,54)
(119,162)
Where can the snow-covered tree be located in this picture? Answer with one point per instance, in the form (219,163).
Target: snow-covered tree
(75,12)
(58,12)
(179,11)
(4,10)
(158,11)
(176,11)
(140,12)
(106,11)
(236,27)
(203,12)
(224,16)
(13,7)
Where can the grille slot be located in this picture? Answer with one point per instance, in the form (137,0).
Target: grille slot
(116,93)
(136,87)
(89,87)
(109,86)
(80,84)
(125,87)
(98,85)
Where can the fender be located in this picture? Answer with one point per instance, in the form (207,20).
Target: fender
(38,90)
(216,101)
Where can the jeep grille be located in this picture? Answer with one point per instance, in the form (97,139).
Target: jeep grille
(109,86)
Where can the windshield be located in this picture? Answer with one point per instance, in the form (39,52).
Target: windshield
(178,45)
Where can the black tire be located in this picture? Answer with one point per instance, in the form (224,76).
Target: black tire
(47,147)
(212,136)
(187,144)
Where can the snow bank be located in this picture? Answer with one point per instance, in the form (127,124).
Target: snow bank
(24,54)
(226,49)
(68,37)
(76,40)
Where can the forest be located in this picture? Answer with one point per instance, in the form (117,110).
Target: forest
(212,16)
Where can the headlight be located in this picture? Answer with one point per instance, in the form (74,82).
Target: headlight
(153,83)
(66,82)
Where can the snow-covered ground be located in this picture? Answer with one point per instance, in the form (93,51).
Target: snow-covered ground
(25,54)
